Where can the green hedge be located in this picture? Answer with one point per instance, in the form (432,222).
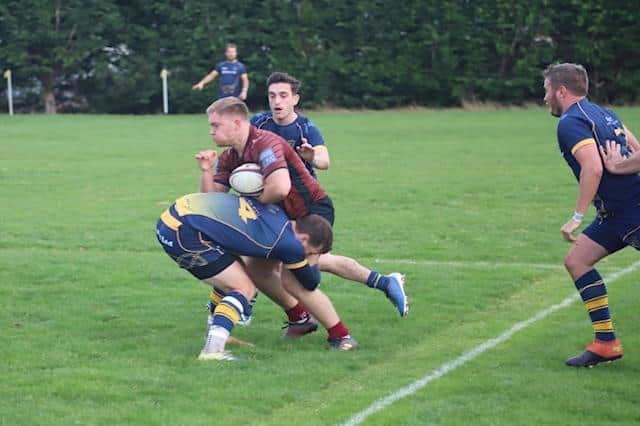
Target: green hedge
(106,56)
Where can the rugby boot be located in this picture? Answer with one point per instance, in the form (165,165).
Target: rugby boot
(344,343)
(596,352)
(300,328)
(395,293)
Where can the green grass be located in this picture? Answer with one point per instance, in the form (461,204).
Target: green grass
(98,326)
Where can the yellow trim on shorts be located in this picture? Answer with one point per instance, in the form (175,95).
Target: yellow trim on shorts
(297,265)
(582,143)
(170,221)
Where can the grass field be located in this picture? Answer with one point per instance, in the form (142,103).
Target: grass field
(99,327)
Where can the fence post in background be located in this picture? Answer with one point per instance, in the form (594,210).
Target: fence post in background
(165,91)
(7,75)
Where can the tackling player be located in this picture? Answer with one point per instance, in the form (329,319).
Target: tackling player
(205,233)
(584,127)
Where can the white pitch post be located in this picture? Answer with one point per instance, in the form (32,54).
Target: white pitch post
(7,75)
(165,91)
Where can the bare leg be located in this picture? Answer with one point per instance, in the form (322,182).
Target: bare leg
(344,267)
(265,273)
(583,256)
(315,301)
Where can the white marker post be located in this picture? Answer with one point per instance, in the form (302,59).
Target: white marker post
(7,75)
(165,91)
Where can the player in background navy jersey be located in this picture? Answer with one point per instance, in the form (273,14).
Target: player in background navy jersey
(205,233)
(232,73)
(583,129)
(301,133)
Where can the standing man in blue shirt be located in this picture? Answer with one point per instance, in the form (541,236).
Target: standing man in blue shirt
(232,72)
(583,129)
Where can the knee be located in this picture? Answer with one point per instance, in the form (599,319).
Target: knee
(575,265)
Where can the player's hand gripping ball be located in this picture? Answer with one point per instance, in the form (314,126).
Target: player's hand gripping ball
(247,179)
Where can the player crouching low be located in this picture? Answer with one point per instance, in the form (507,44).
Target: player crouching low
(205,233)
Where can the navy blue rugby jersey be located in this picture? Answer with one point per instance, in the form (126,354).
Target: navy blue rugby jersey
(587,123)
(230,73)
(293,133)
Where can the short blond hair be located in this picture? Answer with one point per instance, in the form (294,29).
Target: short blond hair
(229,105)
(572,76)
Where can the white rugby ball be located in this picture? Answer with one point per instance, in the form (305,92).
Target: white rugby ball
(247,179)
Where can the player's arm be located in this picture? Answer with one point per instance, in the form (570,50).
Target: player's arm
(245,86)
(631,139)
(207,79)
(313,150)
(590,175)
(207,161)
(308,275)
(276,186)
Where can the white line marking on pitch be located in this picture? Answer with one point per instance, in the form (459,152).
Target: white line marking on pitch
(471,264)
(474,352)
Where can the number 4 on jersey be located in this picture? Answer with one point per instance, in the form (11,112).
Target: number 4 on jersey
(245,211)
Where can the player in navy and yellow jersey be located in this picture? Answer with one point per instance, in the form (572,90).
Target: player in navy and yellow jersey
(205,233)
(232,73)
(287,182)
(583,129)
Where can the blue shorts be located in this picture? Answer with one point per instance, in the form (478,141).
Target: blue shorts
(190,248)
(323,207)
(617,230)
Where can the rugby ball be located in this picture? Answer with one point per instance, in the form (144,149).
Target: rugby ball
(247,179)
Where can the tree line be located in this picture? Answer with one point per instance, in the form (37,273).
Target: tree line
(105,56)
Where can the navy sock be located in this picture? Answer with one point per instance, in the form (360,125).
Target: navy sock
(376,280)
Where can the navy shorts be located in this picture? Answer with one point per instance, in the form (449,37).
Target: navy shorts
(324,207)
(617,230)
(190,248)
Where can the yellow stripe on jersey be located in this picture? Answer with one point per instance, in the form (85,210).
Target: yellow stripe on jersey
(170,221)
(597,303)
(618,131)
(228,312)
(297,265)
(606,325)
(582,143)
(181,206)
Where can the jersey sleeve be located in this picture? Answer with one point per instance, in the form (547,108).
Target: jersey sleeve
(223,169)
(257,119)
(271,155)
(573,134)
(219,67)
(291,252)
(314,137)
(242,69)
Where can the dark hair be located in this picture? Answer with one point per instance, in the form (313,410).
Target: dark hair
(318,229)
(283,77)
(229,105)
(231,46)
(572,76)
